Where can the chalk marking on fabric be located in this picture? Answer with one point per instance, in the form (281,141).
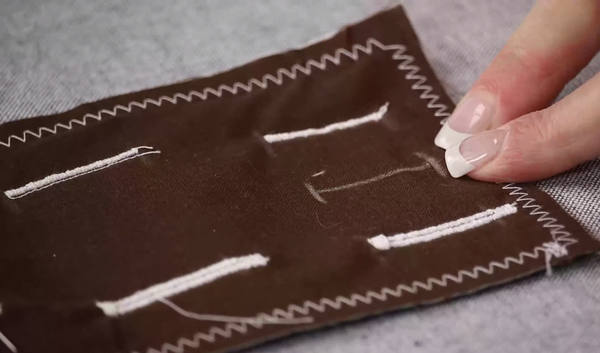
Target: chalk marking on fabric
(343,125)
(434,163)
(8,343)
(398,51)
(314,192)
(374,179)
(54,179)
(317,193)
(355,299)
(255,321)
(318,174)
(382,242)
(181,284)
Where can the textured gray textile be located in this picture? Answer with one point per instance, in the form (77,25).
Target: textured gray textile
(56,54)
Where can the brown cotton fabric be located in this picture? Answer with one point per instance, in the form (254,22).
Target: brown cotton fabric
(219,189)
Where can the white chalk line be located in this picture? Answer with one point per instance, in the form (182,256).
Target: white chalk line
(343,125)
(317,193)
(382,242)
(181,284)
(375,179)
(54,179)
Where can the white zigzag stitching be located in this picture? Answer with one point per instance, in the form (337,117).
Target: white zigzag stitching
(353,300)
(558,231)
(441,110)
(562,239)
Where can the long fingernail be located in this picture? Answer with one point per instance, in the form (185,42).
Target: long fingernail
(472,116)
(474,152)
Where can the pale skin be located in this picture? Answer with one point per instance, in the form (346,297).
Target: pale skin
(538,139)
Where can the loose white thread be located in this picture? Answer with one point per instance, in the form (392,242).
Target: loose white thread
(398,53)
(317,193)
(258,320)
(8,343)
(77,172)
(181,284)
(286,136)
(382,242)
(562,239)
(553,249)
(352,300)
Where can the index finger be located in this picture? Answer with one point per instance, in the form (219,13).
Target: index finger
(554,42)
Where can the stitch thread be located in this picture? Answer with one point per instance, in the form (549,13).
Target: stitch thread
(286,136)
(399,54)
(558,231)
(258,320)
(553,249)
(382,242)
(181,284)
(352,300)
(54,179)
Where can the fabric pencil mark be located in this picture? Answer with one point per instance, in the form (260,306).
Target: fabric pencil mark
(318,174)
(355,299)
(259,320)
(398,53)
(267,146)
(314,192)
(181,284)
(382,242)
(343,125)
(434,163)
(317,193)
(374,179)
(54,179)
(8,343)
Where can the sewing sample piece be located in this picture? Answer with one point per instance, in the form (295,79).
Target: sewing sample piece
(298,191)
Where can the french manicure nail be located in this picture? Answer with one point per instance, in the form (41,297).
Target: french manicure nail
(472,116)
(474,152)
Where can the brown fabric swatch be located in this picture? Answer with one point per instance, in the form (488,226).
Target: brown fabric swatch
(222,188)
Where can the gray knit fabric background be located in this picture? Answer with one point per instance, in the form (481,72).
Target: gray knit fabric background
(56,54)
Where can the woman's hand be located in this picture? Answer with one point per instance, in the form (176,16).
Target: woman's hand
(503,129)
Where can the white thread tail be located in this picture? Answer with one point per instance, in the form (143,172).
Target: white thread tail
(383,242)
(77,172)
(8,343)
(286,136)
(553,249)
(258,320)
(181,284)
(352,300)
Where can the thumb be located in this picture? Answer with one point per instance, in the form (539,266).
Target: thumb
(536,145)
